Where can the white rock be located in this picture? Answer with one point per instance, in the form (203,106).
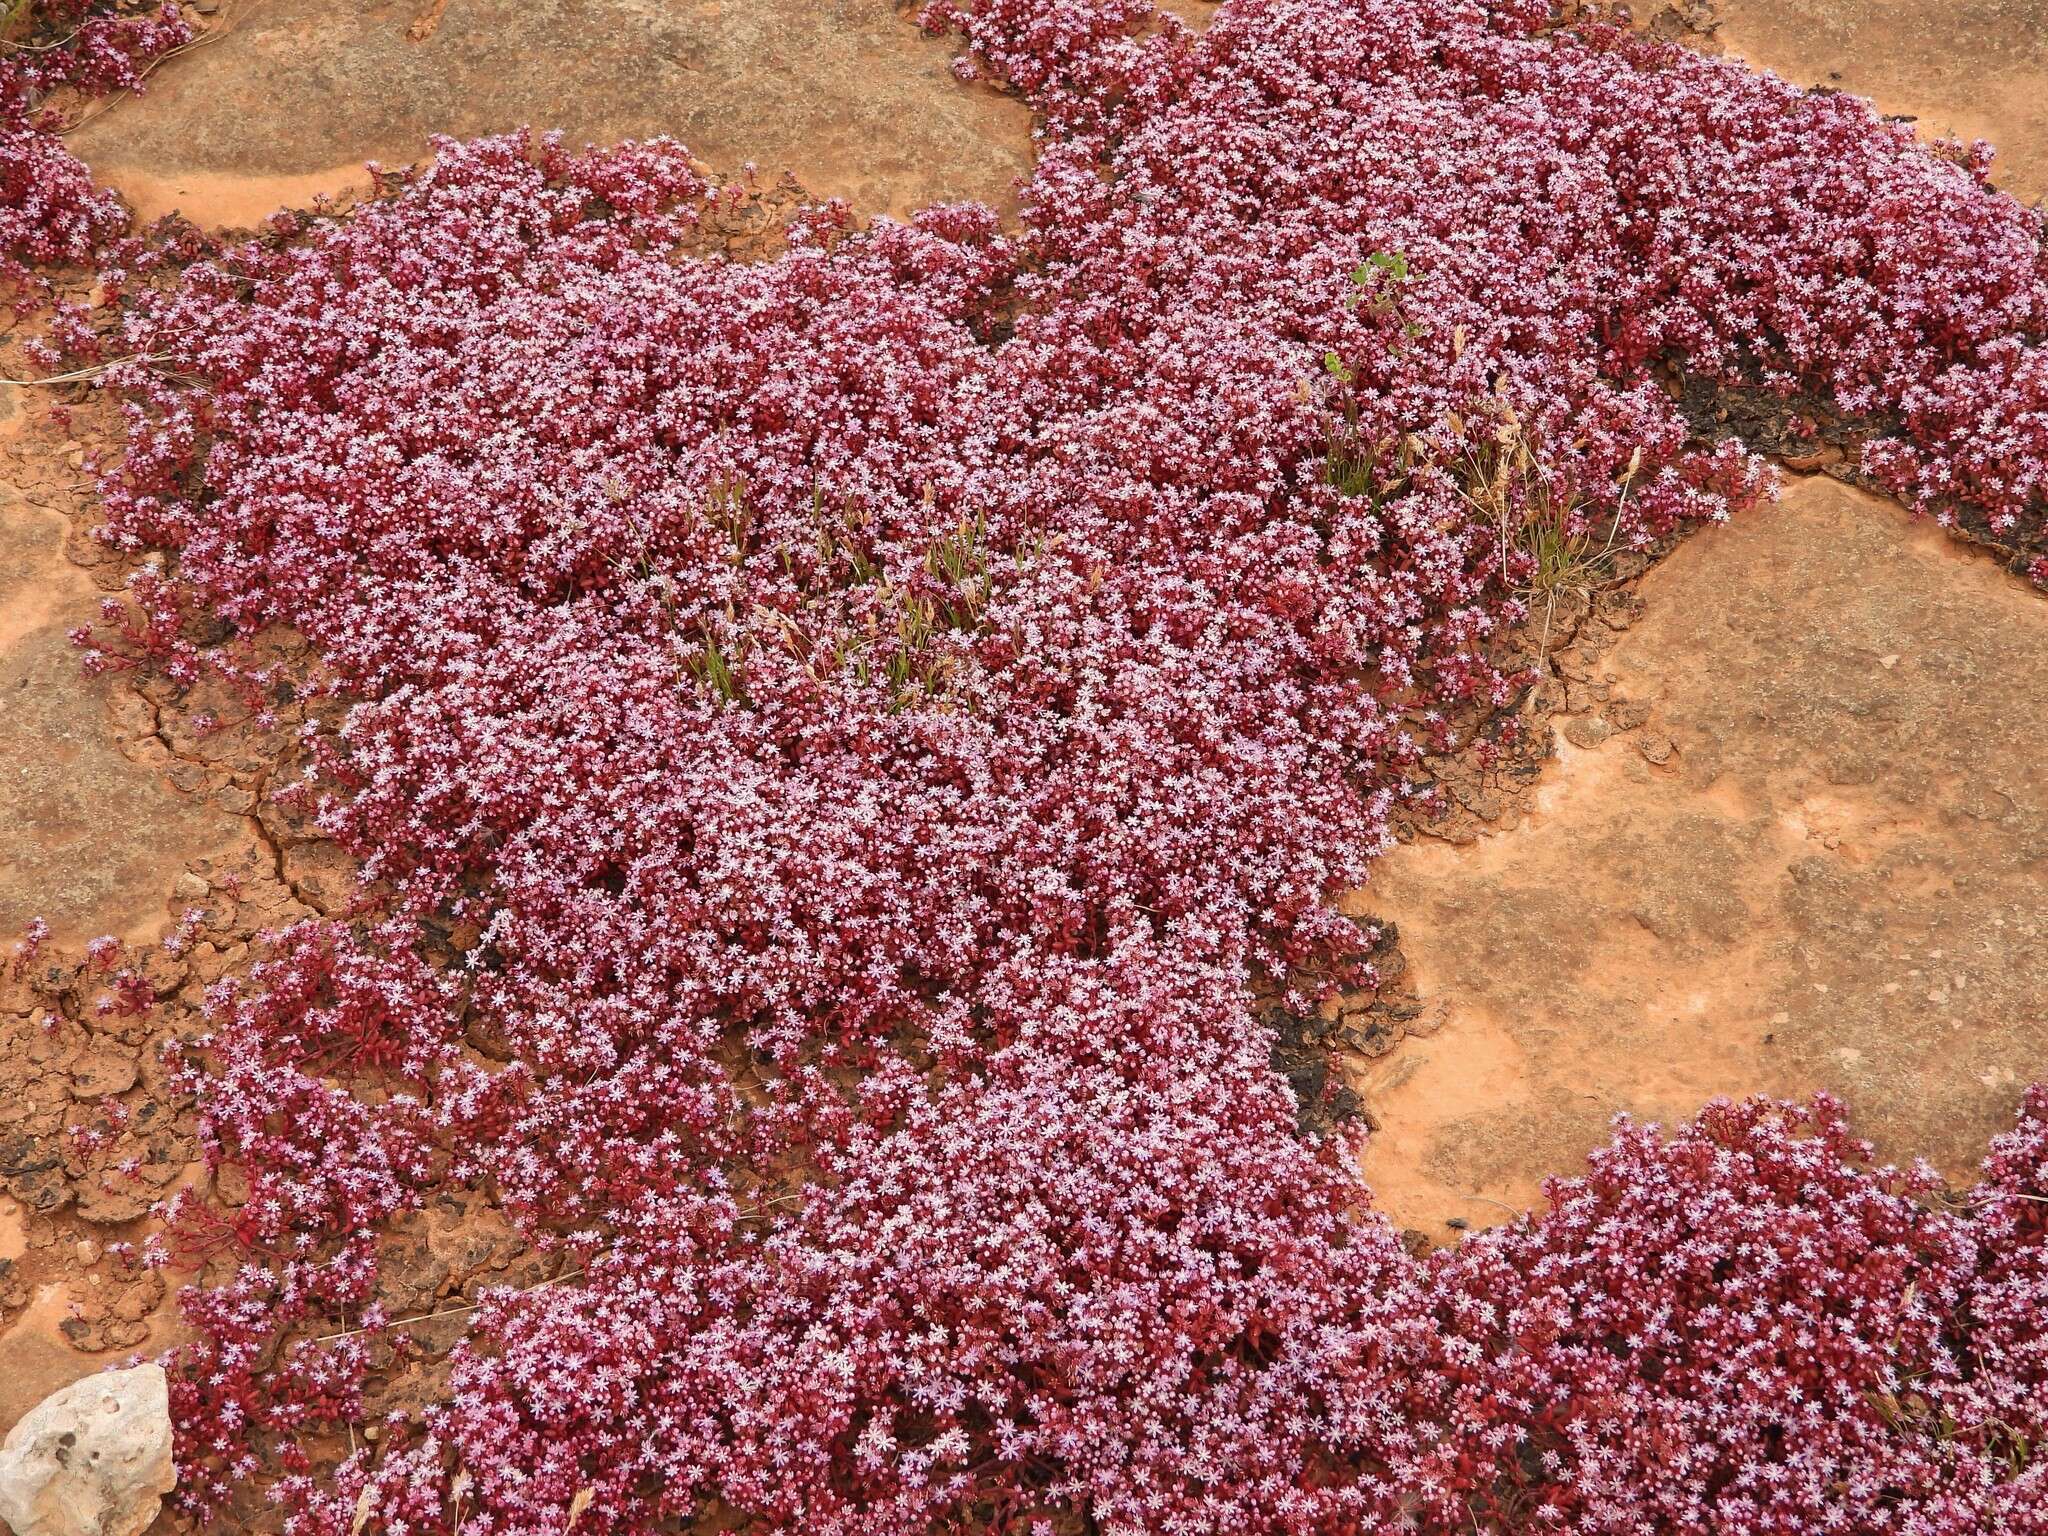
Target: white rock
(91,1460)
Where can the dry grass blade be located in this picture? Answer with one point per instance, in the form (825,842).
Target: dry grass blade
(81,375)
(221,29)
(1505,482)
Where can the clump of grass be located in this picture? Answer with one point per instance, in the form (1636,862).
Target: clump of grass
(1549,545)
(899,635)
(1376,285)
(909,623)
(713,670)
(899,629)
(706,661)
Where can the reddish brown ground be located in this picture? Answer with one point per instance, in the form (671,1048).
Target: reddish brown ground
(113,819)
(1971,68)
(1815,859)
(88,837)
(1793,837)
(296,94)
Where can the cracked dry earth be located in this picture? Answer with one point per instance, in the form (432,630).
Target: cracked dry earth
(117,819)
(1756,788)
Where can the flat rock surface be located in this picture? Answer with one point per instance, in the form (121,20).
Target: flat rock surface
(1835,879)
(1971,68)
(89,839)
(290,96)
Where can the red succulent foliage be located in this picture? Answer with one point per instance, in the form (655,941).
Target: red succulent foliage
(1743,1328)
(51,213)
(882,711)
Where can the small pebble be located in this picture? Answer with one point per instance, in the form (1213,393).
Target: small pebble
(1628,714)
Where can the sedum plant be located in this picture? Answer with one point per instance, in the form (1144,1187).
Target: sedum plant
(877,714)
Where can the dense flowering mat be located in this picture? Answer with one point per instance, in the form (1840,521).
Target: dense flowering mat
(872,717)
(50,211)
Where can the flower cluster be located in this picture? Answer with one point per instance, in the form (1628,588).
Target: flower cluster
(858,727)
(51,213)
(1744,1328)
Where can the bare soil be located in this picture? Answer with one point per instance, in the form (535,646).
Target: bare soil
(1791,836)
(115,818)
(1967,69)
(90,839)
(290,97)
